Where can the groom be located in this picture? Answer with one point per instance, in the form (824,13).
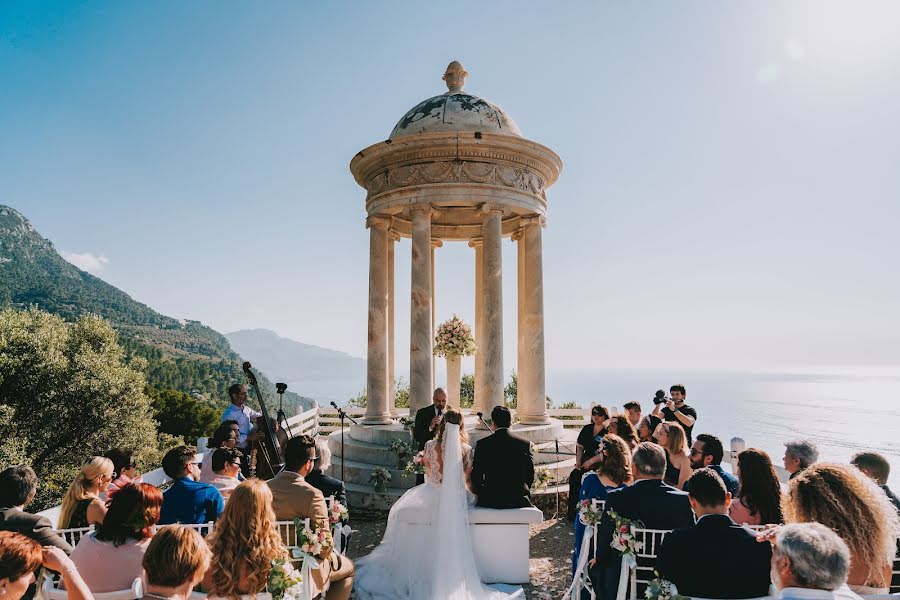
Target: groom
(502,471)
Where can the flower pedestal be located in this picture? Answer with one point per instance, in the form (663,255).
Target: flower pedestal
(454,377)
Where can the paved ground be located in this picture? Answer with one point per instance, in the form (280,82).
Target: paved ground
(551,552)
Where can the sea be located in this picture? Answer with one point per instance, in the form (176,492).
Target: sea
(844,410)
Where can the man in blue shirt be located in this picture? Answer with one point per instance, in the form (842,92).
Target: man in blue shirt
(707,451)
(188,500)
(241,413)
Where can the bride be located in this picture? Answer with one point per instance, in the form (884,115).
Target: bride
(426,551)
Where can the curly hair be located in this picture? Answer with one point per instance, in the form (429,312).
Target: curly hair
(760,490)
(245,541)
(622,427)
(616,462)
(843,499)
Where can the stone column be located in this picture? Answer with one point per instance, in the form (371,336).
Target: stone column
(435,243)
(492,271)
(377,409)
(478,405)
(520,305)
(532,388)
(393,237)
(420,336)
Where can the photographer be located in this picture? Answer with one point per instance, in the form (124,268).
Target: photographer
(675,409)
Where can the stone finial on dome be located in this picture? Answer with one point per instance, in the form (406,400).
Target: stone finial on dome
(455,77)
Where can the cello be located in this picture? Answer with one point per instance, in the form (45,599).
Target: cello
(266,459)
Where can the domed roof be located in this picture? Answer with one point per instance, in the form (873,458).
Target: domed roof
(455,110)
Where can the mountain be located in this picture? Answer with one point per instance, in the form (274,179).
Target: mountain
(181,355)
(327,375)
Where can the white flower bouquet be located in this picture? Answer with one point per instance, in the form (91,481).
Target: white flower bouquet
(454,338)
(624,539)
(285,582)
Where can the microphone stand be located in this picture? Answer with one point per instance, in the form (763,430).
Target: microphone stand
(556,514)
(483,422)
(343,416)
(281,387)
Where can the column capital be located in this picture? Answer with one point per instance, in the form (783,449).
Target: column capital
(393,236)
(476,242)
(378,222)
(419,208)
(436,243)
(518,234)
(540,220)
(489,208)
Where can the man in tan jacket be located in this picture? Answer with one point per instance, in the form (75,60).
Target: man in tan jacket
(293,498)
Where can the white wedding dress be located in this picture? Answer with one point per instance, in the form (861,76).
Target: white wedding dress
(426,551)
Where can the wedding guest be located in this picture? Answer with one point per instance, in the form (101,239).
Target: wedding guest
(244,543)
(759,501)
(840,497)
(586,454)
(293,497)
(798,455)
(21,556)
(124,469)
(732,563)
(633,412)
(614,473)
(678,466)
(109,558)
(225,436)
(707,451)
(226,464)
(329,486)
(503,468)
(645,430)
(810,562)
(649,500)
(18,486)
(82,506)
(188,500)
(878,469)
(620,425)
(175,561)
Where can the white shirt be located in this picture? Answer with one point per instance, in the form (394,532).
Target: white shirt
(793,593)
(244,415)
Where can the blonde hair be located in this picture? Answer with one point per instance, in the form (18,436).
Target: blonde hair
(677,443)
(95,468)
(245,541)
(175,556)
(845,500)
(452,415)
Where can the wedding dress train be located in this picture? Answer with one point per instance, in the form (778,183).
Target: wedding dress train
(426,551)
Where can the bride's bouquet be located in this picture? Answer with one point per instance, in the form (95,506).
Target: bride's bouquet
(454,338)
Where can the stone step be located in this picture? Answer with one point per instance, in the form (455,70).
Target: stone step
(361,451)
(358,472)
(365,496)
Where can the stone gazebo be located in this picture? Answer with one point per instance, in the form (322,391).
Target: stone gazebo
(455,168)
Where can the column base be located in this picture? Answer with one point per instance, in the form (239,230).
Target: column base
(534,419)
(384,419)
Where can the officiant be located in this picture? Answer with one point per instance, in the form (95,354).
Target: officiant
(428,419)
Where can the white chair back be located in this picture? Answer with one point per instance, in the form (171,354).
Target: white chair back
(288,532)
(204,529)
(51,592)
(646,564)
(73,535)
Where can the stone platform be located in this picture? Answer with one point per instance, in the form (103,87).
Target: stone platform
(366,448)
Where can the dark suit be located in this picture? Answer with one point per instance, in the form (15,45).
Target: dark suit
(329,486)
(503,471)
(715,559)
(36,527)
(656,504)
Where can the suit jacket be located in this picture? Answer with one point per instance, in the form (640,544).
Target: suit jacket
(293,497)
(715,559)
(423,420)
(36,527)
(503,471)
(656,504)
(329,486)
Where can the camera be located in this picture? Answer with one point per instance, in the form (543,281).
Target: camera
(660,397)
(280,387)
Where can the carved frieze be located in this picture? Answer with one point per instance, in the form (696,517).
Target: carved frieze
(456,171)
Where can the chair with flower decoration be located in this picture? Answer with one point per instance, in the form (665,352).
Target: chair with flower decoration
(633,579)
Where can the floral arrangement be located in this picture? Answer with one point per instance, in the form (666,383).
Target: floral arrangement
(284,581)
(403,450)
(337,513)
(624,539)
(589,515)
(416,466)
(662,589)
(379,478)
(312,540)
(408,424)
(454,338)
(542,478)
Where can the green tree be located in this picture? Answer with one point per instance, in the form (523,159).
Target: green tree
(183,415)
(401,396)
(511,391)
(467,391)
(73,395)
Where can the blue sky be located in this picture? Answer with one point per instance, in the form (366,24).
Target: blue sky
(730,194)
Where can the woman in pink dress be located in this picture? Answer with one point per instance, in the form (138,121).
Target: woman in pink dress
(759,500)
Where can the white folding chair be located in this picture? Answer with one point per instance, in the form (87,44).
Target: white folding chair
(581,580)
(204,529)
(50,591)
(643,573)
(73,535)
